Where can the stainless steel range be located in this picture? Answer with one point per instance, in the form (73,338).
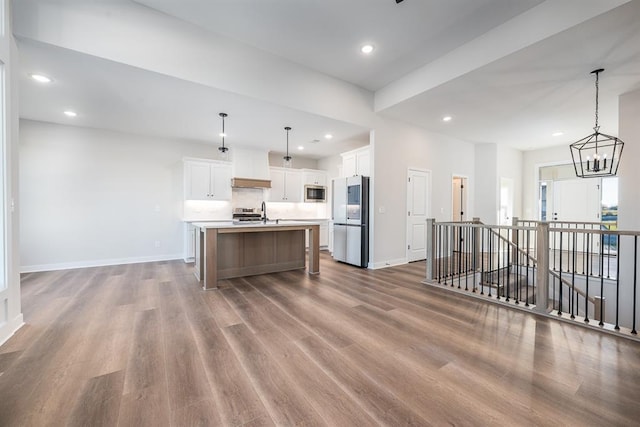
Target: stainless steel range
(246,215)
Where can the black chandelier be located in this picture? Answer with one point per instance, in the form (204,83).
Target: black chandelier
(598,154)
(287,157)
(222,148)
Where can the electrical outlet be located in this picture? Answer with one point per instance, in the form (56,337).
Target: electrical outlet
(157,243)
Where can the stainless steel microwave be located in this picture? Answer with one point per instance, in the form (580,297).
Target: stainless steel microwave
(315,193)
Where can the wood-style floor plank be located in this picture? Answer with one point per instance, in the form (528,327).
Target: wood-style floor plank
(144,345)
(99,401)
(276,390)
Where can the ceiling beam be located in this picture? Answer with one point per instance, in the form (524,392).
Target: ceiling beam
(538,23)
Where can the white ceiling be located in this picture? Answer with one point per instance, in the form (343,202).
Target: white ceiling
(110,95)
(522,99)
(327,35)
(518,99)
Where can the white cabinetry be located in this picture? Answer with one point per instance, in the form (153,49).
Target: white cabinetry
(324,235)
(189,242)
(286,185)
(356,162)
(205,180)
(314,177)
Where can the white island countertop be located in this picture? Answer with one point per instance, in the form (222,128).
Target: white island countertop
(269,223)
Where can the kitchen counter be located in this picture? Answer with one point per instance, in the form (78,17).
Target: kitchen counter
(227,249)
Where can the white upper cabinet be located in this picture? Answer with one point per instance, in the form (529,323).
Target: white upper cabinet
(356,162)
(205,180)
(286,185)
(314,177)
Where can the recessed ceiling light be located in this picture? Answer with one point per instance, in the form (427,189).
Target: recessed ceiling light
(447,118)
(328,136)
(366,49)
(40,78)
(70,113)
(557,134)
(300,147)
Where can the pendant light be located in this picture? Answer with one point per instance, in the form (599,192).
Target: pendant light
(223,150)
(598,154)
(287,159)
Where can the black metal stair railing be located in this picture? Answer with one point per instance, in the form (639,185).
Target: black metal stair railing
(569,269)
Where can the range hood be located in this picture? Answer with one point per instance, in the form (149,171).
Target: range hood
(250,183)
(250,168)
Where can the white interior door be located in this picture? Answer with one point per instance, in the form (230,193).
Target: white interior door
(506,201)
(417,212)
(459,198)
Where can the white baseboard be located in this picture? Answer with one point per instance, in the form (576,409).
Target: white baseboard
(389,263)
(97,263)
(11,327)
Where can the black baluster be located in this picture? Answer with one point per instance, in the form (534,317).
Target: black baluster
(438,253)
(584,260)
(474,264)
(560,284)
(466,258)
(482,278)
(490,237)
(619,242)
(498,272)
(448,259)
(635,271)
(573,295)
(518,263)
(460,234)
(508,272)
(586,296)
(609,255)
(601,323)
(527,282)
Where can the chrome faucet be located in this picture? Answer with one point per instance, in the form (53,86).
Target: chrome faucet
(264,212)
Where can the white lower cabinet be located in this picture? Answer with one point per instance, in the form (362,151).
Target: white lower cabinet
(189,242)
(324,235)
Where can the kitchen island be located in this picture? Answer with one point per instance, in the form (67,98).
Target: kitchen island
(226,250)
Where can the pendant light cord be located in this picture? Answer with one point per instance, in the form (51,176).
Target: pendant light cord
(597,72)
(597,91)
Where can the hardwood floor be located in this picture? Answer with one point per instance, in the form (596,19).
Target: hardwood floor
(143,344)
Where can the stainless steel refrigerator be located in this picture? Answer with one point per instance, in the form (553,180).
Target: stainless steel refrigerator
(351,220)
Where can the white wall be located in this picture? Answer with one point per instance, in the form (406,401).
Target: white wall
(397,147)
(486,183)
(276,160)
(510,162)
(628,171)
(628,195)
(10,304)
(92,197)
